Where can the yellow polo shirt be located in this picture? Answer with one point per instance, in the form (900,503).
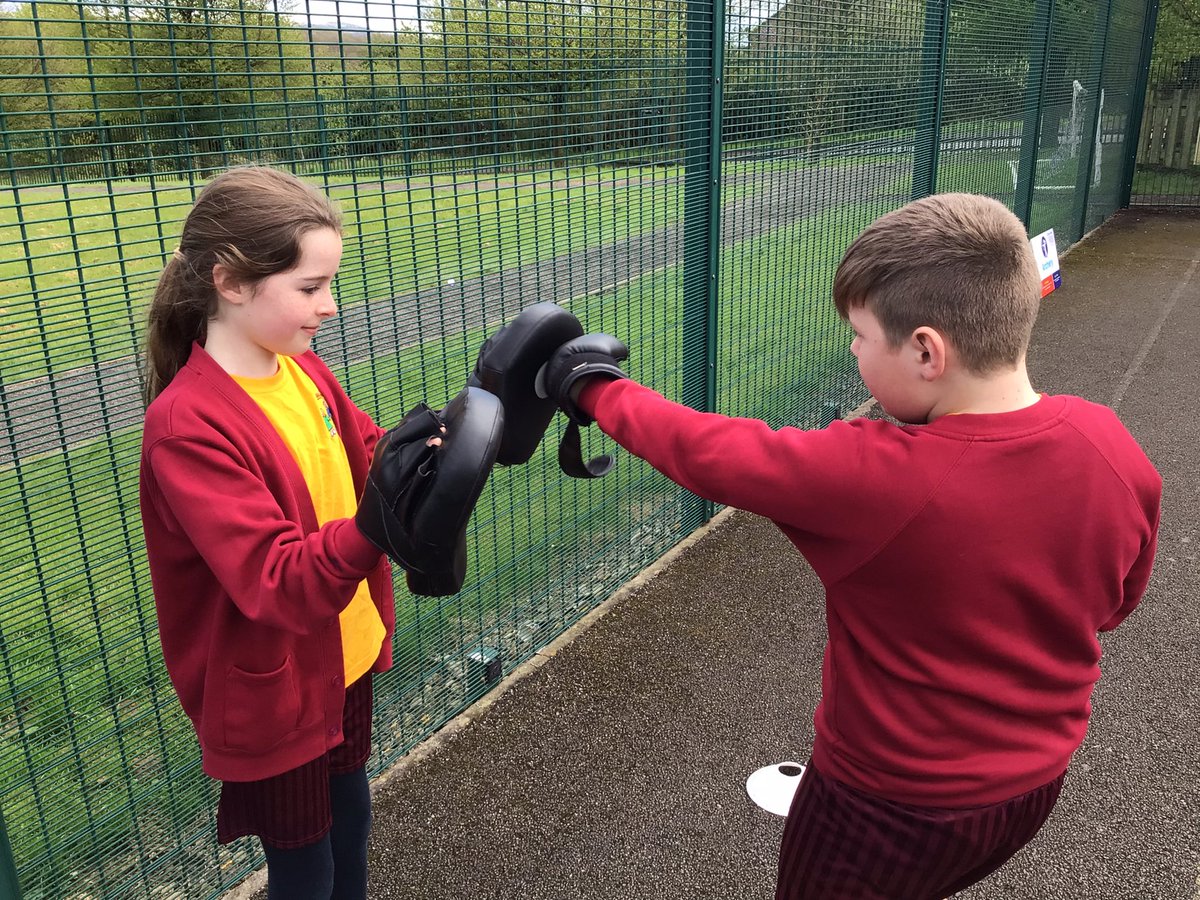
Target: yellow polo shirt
(300,414)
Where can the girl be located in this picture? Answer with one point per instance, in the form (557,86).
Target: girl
(274,608)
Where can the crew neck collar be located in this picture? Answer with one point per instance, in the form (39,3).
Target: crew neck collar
(263,385)
(1048,410)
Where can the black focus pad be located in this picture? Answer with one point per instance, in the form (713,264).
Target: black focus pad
(429,493)
(507,366)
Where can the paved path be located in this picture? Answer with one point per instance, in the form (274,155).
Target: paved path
(615,769)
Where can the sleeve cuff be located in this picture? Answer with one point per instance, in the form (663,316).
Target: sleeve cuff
(589,397)
(354,549)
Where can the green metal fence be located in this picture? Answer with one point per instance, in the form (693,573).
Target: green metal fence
(683,174)
(1168,148)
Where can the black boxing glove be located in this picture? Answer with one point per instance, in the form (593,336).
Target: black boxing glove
(582,357)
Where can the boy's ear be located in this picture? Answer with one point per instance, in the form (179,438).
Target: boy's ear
(228,286)
(931,352)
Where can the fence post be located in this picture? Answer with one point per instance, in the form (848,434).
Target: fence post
(1137,108)
(10,887)
(929,97)
(702,209)
(1083,177)
(405,142)
(1035,92)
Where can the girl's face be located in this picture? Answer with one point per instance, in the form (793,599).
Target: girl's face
(280,314)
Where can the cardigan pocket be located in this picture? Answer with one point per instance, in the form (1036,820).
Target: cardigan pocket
(261,708)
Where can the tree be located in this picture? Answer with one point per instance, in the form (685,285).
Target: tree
(1176,57)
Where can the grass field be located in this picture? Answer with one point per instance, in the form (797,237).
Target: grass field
(83,259)
(100,768)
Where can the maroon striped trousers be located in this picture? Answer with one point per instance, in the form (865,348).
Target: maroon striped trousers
(842,844)
(293,809)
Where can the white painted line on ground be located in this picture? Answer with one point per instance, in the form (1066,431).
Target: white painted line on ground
(1152,338)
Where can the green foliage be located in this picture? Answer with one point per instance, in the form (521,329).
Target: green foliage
(119,86)
(811,72)
(114,91)
(1176,55)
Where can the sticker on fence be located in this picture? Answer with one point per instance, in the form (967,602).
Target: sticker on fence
(1046,253)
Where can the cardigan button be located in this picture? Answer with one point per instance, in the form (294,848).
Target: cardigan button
(336,681)
(332,730)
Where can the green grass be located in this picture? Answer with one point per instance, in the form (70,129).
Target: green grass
(83,258)
(976,172)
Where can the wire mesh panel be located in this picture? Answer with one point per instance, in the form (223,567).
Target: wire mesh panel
(1168,149)
(1069,103)
(987,89)
(822,113)
(486,157)
(1118,105)
(681,173)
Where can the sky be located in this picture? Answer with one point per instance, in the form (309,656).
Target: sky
(391,15)
(387,16)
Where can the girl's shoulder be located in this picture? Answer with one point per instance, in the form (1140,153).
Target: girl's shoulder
(196,404)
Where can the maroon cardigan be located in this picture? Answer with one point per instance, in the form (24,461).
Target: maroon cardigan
(968,565)
(247,587)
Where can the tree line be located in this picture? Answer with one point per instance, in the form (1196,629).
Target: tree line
(114,90)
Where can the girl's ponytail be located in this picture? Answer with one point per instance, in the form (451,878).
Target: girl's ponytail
(177,317)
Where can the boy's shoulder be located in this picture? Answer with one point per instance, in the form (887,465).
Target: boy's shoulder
(1102,428)
(1069,422)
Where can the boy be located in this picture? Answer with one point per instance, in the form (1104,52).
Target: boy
(969,556)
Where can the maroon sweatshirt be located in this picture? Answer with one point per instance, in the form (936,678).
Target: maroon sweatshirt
(247,587)
(968,566)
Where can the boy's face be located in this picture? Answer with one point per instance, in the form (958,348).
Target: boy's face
(887,371)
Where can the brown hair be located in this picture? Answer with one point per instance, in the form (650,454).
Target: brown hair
(251,220)
(960,263)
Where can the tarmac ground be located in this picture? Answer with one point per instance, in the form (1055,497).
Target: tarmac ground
(613,765)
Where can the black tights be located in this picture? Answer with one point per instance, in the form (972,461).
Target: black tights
(335,867)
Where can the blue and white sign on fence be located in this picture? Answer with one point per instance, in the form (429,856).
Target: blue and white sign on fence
(1046,253)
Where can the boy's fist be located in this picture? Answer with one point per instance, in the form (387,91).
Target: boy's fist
(562,376)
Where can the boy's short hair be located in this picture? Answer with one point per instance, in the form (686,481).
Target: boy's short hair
(959,263)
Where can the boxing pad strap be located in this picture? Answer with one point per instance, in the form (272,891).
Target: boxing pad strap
(570,457)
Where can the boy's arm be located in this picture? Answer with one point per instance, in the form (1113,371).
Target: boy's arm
(1135,582)
(801,478)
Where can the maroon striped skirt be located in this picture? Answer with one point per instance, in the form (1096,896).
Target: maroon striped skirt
(292,809)
(842,843)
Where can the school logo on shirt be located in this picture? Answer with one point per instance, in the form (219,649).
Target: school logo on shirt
(326,415)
